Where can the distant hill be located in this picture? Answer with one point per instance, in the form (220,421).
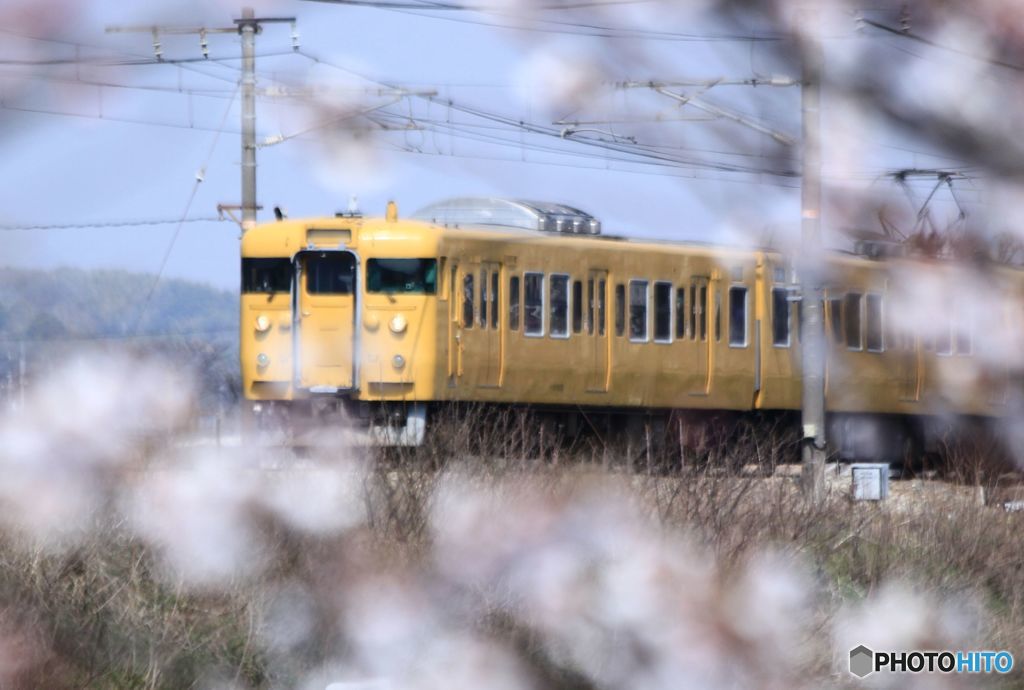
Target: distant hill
(55,313)
(66,303)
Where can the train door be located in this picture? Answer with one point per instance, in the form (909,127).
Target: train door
(699,335)
(481,336)
(597,331)
(490,324)
(909,369)
(325,320)
(455,309)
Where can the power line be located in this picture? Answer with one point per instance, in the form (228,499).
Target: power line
(554,26)
(691,175)
(458,130)
(107,118)
(177,230)
(435,123)
(106,84)
(397,4)
(105,62)
(635,150)
(639,151)
(929,42)
(114,224)
(190,67)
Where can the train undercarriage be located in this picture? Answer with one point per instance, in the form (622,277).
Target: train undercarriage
(662,438)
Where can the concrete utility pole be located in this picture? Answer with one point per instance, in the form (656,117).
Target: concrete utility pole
(247,27)
(812,325)
(21,375)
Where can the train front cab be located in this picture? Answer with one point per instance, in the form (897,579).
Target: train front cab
(319,333)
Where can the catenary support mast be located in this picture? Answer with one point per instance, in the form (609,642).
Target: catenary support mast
(812,326)
(248,27)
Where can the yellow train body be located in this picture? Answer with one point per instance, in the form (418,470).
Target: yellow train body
(388,310)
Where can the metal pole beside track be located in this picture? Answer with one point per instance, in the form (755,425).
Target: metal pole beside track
(812,327)
(248,27)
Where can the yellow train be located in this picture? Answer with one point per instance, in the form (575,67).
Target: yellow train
(526,303)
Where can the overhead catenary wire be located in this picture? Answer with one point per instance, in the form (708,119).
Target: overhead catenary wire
(113,224)
(509,124)
(109,84)
(486,136)
(547,25)
(108,118)
(934,44)
(624,152)
(398,4)
(106,62)
(200,176)
(127,59)
(659,172)
(638,151)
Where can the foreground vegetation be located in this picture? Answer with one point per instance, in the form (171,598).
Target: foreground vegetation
(475,563)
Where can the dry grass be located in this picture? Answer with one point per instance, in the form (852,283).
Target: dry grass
(462,544)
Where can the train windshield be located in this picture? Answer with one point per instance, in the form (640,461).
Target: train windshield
(409,276)
(266,275)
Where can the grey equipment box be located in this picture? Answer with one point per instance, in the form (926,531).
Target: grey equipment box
(870,481)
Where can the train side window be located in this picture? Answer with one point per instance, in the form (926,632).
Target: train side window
(964,330)
(718,316)
(533,301)
(964,341)
(483,298)
(638,310)
(467,300)
(702,311)
(851,321)
(693,312)
(663,312)
(558,296)
(602,311)
(873,324)
(738,316)
(780,317)
(577,306)
(590,307)
(494,300)
(835,314)
(513,303)
(680,313)
(944,340)
(620,309)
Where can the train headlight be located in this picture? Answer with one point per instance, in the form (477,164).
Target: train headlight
(262,323)
(398,324)
(398,361)
(262,359)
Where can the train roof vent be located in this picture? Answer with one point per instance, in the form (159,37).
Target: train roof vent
(529,215)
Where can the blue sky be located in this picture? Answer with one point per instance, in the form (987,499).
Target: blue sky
(64,169)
